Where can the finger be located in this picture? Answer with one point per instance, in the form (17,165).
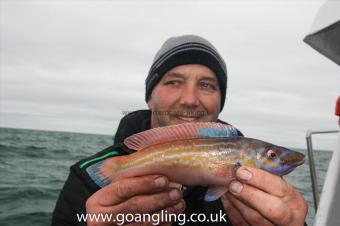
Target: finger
(234,215)
(263,180)
(150,203)
(175,185)
(123,189)
(249,215)
(177,208)
(269,206)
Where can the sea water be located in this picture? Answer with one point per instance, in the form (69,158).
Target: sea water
(34,166)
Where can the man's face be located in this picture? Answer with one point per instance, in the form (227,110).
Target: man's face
(186,93)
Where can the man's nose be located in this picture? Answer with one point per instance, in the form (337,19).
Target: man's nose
(189,97)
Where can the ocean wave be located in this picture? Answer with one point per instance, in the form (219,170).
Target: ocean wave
(3,147)
(35,218)
(33,147)
(10,193)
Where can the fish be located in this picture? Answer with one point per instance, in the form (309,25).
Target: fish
(200,153)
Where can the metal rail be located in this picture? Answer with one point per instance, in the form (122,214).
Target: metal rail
(310,150)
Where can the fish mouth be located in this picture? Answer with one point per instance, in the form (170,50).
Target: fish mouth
(302,161)
(292,166)
(299,160)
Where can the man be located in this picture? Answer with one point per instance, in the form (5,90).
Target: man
(186,83)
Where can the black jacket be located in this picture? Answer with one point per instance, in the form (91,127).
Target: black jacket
(79,186)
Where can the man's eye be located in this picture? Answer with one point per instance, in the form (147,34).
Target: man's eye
(208,86)
(173,82)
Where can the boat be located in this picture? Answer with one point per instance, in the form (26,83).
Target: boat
(325,38)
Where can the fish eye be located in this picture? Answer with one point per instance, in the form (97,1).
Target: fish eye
(271,154)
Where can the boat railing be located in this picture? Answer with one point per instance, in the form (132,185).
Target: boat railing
(310,151)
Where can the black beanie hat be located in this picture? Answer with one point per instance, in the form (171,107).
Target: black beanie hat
(186,49)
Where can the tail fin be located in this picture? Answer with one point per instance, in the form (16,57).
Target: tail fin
(103,172)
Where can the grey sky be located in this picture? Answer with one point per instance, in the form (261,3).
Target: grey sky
(76,65)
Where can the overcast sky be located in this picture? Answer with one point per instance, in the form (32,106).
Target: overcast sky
(77,65)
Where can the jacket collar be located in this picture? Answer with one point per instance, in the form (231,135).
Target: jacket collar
(132,123)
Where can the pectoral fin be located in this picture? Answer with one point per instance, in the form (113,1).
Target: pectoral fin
(215,193)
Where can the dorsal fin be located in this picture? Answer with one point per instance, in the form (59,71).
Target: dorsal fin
(191,130)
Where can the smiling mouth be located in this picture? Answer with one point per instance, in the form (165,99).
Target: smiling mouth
(187,119)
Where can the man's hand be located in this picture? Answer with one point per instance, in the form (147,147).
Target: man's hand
(146,194)
(260,198)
